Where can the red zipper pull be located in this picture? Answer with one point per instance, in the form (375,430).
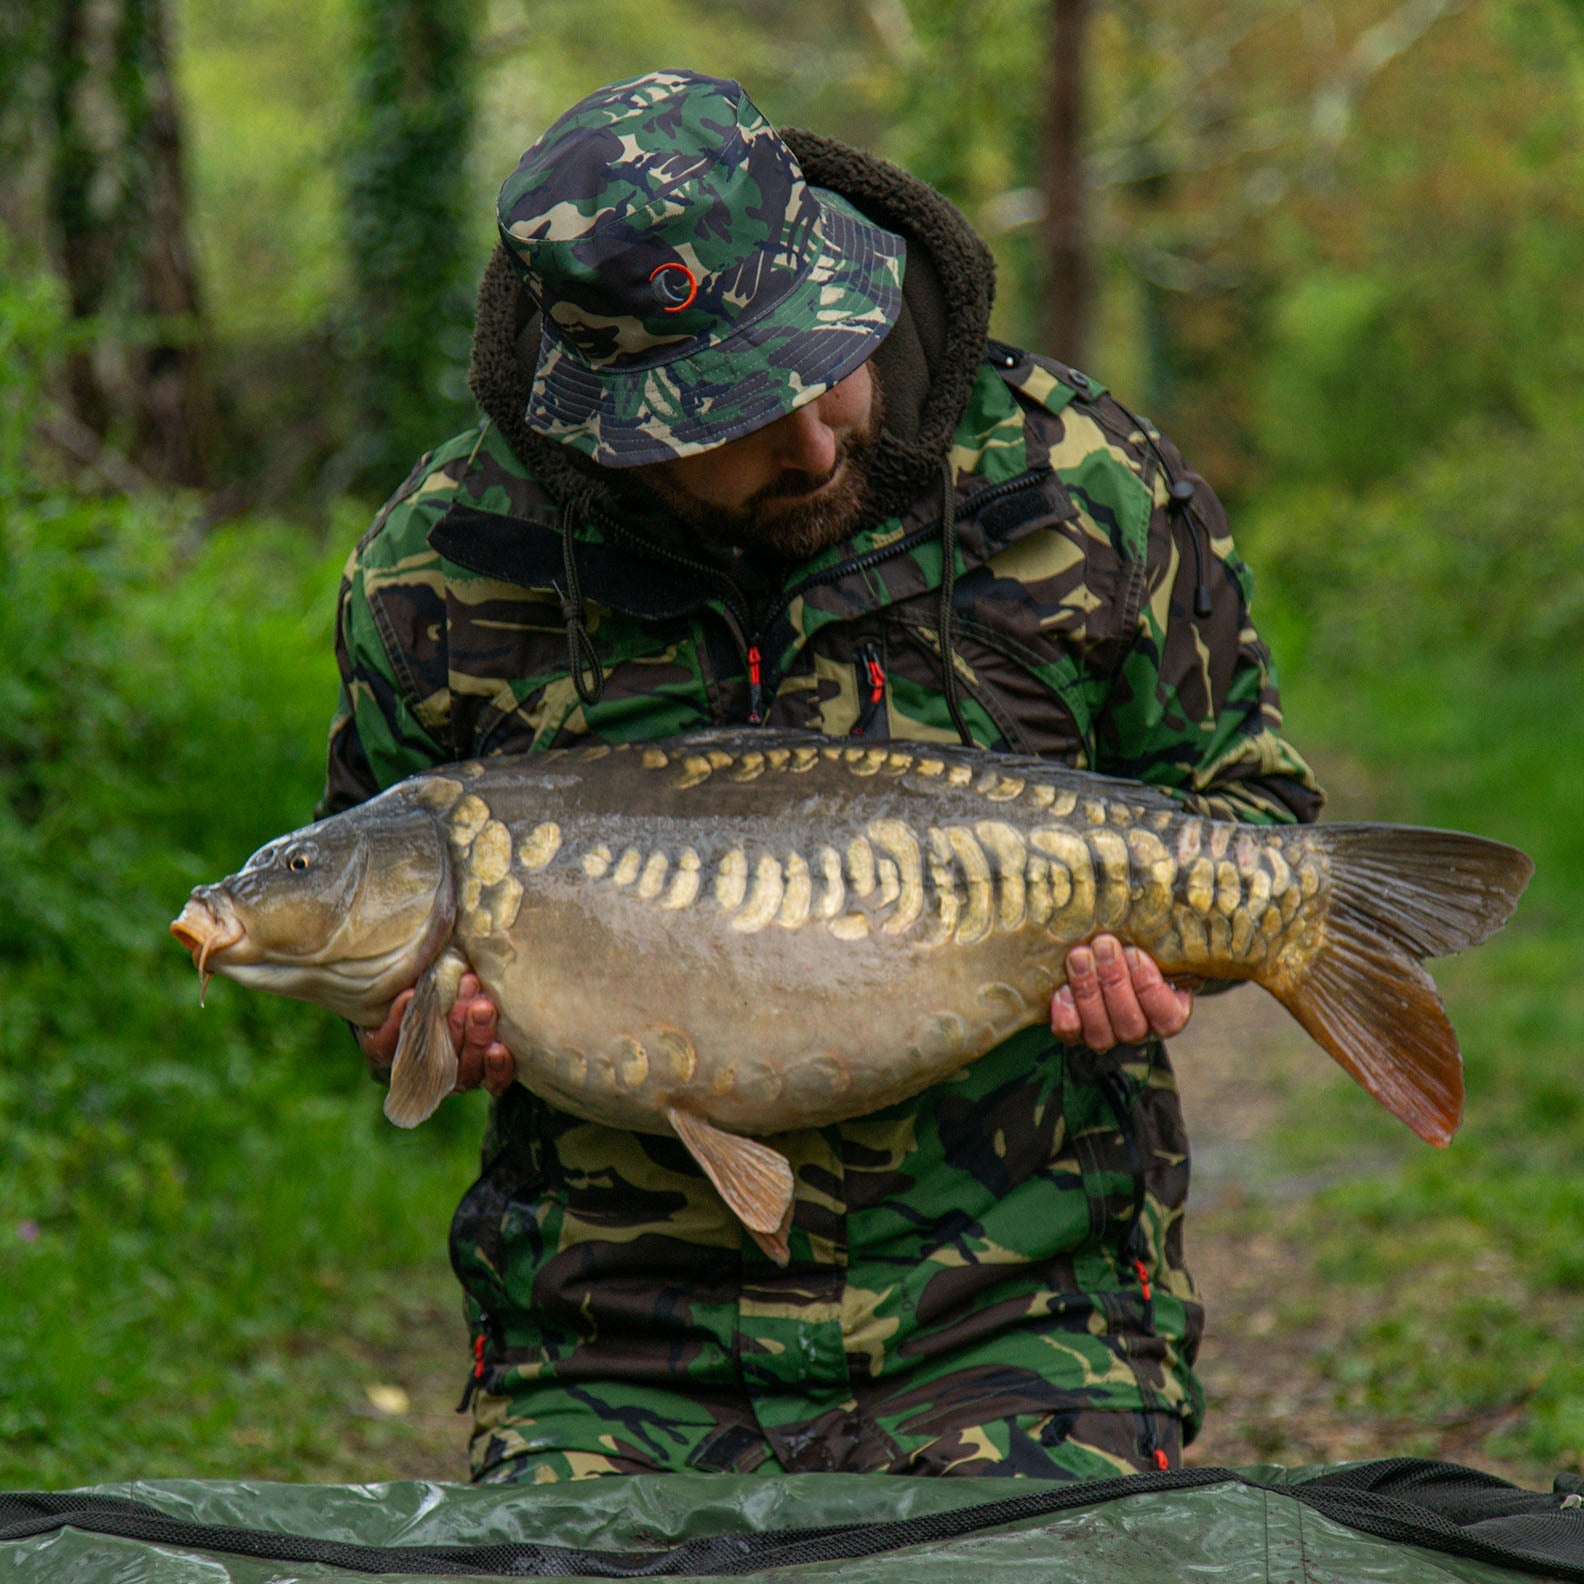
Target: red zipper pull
(755,685)
(871,684)
(475,1376)
(1143,1276)
(876,678)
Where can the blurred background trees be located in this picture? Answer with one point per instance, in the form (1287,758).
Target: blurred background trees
(93,81)
(1331,246)
(1307,236)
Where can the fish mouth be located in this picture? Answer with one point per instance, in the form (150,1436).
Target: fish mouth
(205,934)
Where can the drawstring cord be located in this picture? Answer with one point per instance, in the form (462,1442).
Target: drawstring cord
(947,593)
(581,655)
(1181,505)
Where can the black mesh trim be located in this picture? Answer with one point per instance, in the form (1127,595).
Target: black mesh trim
(1457,1510)
(1409,1501)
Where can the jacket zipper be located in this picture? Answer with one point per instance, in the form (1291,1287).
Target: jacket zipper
(873,558)
(755,683)
(739,617)
(731,596)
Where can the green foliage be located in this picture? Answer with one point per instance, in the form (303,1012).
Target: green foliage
(1478,548)
(1345,389)
(266,97)
(1365,249)
(1472,1253)
(161,1165)
(100,152)
(26,33)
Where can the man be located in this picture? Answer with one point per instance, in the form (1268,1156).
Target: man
(748,457)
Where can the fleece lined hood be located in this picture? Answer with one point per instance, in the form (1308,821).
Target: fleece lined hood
(926,365)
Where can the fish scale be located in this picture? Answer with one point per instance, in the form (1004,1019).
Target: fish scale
(728,936)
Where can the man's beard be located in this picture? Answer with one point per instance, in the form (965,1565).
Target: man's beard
(786,517)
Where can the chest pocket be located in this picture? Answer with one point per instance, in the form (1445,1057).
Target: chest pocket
(1020,666)
(511,661)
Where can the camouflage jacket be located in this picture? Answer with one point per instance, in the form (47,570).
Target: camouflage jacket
(988,1277)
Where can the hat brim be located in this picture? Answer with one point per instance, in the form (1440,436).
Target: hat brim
(812,337)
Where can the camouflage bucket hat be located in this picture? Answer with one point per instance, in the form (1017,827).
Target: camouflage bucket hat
(693,286)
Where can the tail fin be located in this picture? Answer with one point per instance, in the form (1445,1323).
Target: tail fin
(1397,895)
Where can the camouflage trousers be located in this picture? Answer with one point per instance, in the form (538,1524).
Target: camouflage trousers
(987,1279)
(1078,1444)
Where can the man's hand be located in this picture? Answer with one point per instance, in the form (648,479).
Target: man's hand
(481,1058)
(1116,995)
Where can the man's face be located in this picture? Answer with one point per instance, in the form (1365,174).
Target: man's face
(794,486)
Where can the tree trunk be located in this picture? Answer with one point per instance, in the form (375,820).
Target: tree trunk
(117,211)
(409,230)
(175,407)
(1069,288)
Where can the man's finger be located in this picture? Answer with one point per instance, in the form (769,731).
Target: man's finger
(1126,1019)
(474,1031)
(379,1045)
(500,1070)
(386,1035)
(1065,1022)
(479,1028)
(1089,999)
(470,1065)
(1115,994)
(1168,1007)
(456,1018)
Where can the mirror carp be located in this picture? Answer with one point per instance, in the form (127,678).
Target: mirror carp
(737,933)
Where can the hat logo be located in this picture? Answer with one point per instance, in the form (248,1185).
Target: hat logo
(675,285)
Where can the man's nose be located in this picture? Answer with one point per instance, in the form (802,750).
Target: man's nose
(805,441)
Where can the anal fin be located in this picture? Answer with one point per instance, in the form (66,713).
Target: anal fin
(755,1181)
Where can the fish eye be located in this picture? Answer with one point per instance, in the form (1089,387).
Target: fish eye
(299,858)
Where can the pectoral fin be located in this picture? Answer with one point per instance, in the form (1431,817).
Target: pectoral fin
(425,1068)
(754,1180)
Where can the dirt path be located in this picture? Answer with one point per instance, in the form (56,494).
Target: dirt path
(1270,1400)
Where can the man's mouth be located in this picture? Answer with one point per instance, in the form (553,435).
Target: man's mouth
(794,488)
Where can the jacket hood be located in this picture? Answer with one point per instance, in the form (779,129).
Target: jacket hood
(926,365)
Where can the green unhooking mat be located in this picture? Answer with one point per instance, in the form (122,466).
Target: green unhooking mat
(1401,1519)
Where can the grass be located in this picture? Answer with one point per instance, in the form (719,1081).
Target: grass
(201,1210)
